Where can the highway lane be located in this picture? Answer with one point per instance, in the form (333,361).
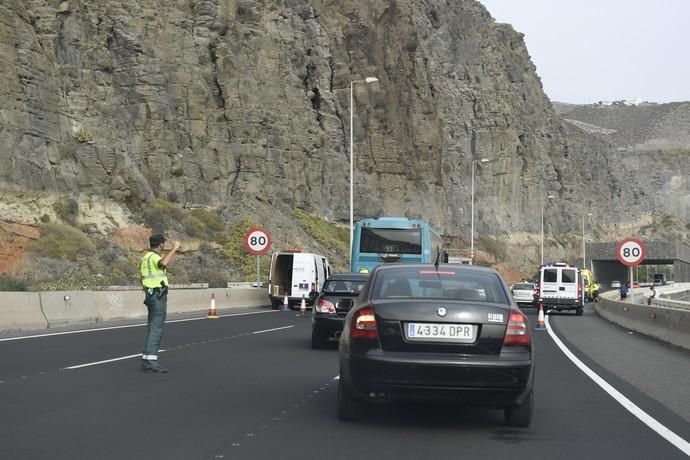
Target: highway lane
(233,393)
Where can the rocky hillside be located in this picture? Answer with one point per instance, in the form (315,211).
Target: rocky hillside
(643,127)
(110,109)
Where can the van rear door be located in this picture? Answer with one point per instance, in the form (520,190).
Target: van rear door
(549,283)
(568,284)
(559,285)
(303,275)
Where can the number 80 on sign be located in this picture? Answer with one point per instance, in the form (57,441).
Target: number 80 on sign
(631,251)
(257,241)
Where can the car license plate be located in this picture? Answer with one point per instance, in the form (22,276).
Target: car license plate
(440,332)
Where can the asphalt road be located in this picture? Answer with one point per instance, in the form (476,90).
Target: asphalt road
(250,387)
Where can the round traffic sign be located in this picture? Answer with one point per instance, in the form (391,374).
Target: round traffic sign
(631,251)
(257,241)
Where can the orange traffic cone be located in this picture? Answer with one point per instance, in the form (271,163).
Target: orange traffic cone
(285,306)
(540,318)
(303,306)
(212,308)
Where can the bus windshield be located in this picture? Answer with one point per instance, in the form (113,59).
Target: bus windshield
(391,240)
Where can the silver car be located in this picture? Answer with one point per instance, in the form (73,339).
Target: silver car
(524,293)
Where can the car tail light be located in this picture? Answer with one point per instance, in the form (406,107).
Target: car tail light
(324,306)
(579,291)
(364,324)
(517,332)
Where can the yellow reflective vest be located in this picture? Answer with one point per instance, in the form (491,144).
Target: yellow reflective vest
(151,273)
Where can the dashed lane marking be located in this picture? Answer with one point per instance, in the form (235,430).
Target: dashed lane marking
(81,331)
(138,355)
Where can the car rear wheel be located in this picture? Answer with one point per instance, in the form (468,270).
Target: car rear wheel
(349,408)
(579,311)
(520,416)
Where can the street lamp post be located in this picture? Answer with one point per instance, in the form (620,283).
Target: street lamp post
(584,254)
(352,84)
(550,197)
(474,162)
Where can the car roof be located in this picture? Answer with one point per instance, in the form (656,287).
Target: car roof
(456,267)
(348,276)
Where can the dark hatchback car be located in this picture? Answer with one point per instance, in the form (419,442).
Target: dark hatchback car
(452,332)
(328,314)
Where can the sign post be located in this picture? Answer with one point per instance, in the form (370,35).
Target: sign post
(257,241)
(631,252)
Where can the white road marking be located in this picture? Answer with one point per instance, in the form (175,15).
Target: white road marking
(651,422)
(271,330)
(78,366)
(81,331)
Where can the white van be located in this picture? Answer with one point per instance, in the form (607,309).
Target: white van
(297,275)
(561,288)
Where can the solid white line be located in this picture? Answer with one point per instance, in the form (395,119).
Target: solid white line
(81,331)
(78,366)
(647,419)
(271,330)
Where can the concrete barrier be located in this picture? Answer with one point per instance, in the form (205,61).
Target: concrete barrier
(21,311)
(65,308)
(665,323)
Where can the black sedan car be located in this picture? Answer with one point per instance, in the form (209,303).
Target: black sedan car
(329,313)
(420,331)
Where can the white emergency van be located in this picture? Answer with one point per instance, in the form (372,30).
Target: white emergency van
(561,288)
(296,274)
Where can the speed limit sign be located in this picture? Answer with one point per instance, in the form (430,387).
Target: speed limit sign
(631,251)
(257,241)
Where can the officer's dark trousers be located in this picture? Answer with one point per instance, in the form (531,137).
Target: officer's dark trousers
(158,307)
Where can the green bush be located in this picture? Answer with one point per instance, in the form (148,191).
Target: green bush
(238,255)
(162,215)
(204,224)
(7,283)
(330,235)
(494,246)
(59,241)
(67,210)
(83,136)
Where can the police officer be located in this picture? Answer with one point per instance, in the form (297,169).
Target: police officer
(154,279)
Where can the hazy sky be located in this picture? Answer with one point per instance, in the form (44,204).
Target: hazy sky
(592,50)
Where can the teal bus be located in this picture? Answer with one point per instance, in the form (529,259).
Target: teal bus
(392,239)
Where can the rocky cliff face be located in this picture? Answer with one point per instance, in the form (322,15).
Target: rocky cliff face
(245,105)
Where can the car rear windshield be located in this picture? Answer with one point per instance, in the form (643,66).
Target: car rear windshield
(444,284)
(523,287)
(349,286)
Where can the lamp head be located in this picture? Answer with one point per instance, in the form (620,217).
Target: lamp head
(371,80)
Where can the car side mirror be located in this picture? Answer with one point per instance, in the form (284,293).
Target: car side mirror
(346,304)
